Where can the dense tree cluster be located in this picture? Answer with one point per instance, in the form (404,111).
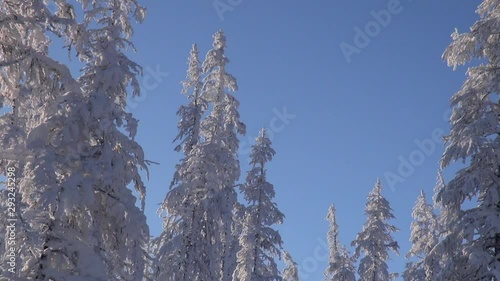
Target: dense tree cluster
(71,143)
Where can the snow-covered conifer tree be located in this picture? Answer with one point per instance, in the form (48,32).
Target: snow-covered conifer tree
(49,230)
(198,240)
(347,271)
(174,249)
(291,270)
(260,243)
(191,114)
(375,240)
(471,245)
(340,264)
(424,236)
(332,237)
(186,249)
(220,131)
(79,216)
(113,158)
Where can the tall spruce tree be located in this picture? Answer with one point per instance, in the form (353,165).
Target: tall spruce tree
(50,228)
(375,240)
(198,241)
(260,243)
(75,163)
(470,249)
(175,247)
(191,114)
(112,158)
(220,130)
(424,236)
(340,264)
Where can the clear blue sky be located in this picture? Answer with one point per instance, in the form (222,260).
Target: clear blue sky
(353,121)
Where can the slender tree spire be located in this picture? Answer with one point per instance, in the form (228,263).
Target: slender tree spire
(340,264)
(220,130)
(375,240)
(260,243)
(175,248)
(190,115)
(424,236)
(198,242)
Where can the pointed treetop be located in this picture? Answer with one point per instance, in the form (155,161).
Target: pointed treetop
(377,189)
(440,184)
(331,216)
(263,132)
(377,205)
(193,57)
(263,139)
(217,80)
(262,151)
(340,264)
(193,73)
(333,232)
(219,40)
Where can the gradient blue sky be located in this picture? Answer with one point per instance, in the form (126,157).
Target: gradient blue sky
(354,121)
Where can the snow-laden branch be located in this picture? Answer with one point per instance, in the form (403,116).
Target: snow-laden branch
(26,54)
